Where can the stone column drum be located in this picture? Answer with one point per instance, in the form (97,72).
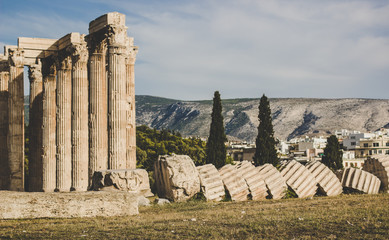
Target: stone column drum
(35,127)
(64,95)
(98,132)
(79,117)
(16,120)
(4,167)
(117,121)
(49,126)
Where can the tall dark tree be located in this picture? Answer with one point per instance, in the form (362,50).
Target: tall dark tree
(265,143)
(216,149)
(332,156)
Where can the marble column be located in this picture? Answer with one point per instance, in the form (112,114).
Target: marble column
(116,97)
(16,120)
(35,127)
(63,121)
(4,166)
(130,108)
(98,128)
(79,117)
(49,125)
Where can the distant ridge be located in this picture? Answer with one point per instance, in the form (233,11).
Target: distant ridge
(292,117)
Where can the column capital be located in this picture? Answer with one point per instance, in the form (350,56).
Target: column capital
(117,35)
(35,71)
(63,60)
(48,66)
(16,57)
(79,52)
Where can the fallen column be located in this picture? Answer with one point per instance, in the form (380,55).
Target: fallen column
(16,120)
(254,180)
(379,166)
(275,182)
(234,183)
(211,183)
(360,180)
(328,182)
(299,179)
(63,132)
(49,125)
(35,127)
(4,166)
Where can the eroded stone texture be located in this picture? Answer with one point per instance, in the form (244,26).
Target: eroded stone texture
(329,183)
(360,180)
(300,179)
(4,166)
(379,166)
(176,177)
(49,126)
(254,180)
(35,127)
(15,139)
(275,182)
(130,180)
(98,98)
(63,121)
(234,183)
(79,120)
(16,205)
(211,183)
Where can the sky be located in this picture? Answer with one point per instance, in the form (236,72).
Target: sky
(242,48)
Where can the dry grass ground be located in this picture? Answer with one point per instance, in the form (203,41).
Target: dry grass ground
(343,217)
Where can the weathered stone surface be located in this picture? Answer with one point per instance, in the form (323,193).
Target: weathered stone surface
(274,180)
(360,180)
(15,205)
(161,201)
(328,182)
(176,177)
(131,180)
(254,180)
(300,179)
(211,183)
(379,166)
(234,183)
(4,166)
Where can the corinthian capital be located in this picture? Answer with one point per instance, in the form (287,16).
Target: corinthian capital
(35,72)
(117,35)
(16,57)
(79,52)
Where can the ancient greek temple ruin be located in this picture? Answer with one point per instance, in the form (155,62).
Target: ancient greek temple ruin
(82,107)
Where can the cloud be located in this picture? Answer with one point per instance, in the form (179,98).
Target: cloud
(245,48)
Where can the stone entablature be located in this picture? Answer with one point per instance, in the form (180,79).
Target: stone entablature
(82,112)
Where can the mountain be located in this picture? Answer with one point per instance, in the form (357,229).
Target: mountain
(292,117)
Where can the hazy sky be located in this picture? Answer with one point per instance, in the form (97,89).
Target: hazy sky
(243,48)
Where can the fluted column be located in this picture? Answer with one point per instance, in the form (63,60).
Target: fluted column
(16,120)
(4,166)
(49,126)
(98,132)
(35,127)
(130,108)
(117,122)
(79,117)
(63,118)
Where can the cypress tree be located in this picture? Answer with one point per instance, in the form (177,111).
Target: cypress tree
(216,150)
(265,151)
(332,156)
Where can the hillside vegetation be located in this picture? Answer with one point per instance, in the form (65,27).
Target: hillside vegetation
(341,217)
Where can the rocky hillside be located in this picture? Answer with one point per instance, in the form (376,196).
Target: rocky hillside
(291,116)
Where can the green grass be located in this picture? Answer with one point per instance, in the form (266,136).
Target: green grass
(343,217)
